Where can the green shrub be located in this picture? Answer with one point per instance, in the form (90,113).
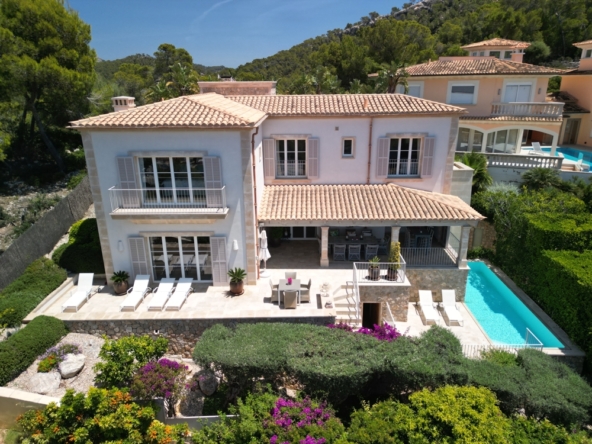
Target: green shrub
(527,430)
(500,357)
(28,290)
(47,364)
(35,209)
(121,358)
(21,349)
(82,253)
(76,179)
(481,253)
(75,160)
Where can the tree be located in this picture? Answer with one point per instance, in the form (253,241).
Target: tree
(46,63)
(157,92)
(481,177)
(541,178)
(183,81)
(537,53)
(134,79)
(390,76)
(166,57)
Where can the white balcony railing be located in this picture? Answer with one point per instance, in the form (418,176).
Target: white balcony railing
(154,200)
(403,168)
(430,257)
(291,168)
(528,109)
(381,272)
(522,161)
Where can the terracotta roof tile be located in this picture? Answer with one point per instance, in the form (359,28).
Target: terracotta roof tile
(345,104)
(498,42)
(200,110)
(477,66)
(360,203)
(580,44)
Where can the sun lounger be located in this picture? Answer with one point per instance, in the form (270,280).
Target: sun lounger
(162,294)
(178,298)
(137,293)
(426,304)
(450,308)
(536,149)
(82,293)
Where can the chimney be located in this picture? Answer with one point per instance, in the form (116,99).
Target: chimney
(517,57)
(122,103)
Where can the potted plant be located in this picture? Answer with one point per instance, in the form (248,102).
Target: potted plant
(120,284)
(374,269)
(237,277)
(394,258)
(275,236)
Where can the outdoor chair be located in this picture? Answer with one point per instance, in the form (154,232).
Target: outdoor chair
(305,292)
(371,251)
(354,252)
(338,252)
(426,305)
(536,149)
(290,298)
(137,293)
(161,294)
(451,308)
(291,274)
(274,291)
(82,294)
(180,294)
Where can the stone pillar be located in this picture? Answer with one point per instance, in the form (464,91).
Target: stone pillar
(324,246)
(519,141)
(554,144)
(463,247)
(395,234)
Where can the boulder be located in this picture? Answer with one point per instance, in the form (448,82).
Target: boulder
(71,365)
(44,383)
(208,383)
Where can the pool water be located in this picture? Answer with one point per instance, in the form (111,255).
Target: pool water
(502,315)
(572,154)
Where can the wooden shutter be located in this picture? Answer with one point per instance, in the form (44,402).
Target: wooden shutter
(219,262)
(213,181)
(138,256)
(312,158)
(127,181)
(428,156)
(382,159)
(269,158)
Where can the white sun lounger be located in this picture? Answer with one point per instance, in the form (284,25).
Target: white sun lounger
(82,293)
(536,149)
(450,308)
(426,304)
(178,298)
(162,294)
(137,293)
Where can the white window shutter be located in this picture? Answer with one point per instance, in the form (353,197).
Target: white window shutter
(127,181)
(219,261)
(428,156)
(269,158)
(138,256)
(312,158)
(382,159)
(213,181)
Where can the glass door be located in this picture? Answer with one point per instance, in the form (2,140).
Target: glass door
(181,257)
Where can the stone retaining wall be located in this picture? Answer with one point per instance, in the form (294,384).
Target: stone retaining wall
(397,298)
(482,236)
(181,333)
(437,280)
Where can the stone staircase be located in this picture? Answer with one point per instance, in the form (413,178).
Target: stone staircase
(344,301)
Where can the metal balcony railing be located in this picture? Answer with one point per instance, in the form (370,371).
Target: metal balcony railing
(381,272)
(403,168)
(430,257)
(291,168)
(154,200)
(527,109)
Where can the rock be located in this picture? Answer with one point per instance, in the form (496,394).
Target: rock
(291,393)
(208,383)
(71,365)
(44,383)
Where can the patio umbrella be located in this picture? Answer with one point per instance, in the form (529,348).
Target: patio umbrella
(264,254)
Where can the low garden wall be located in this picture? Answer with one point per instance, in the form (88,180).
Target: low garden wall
(396,296)
(16,402)
(436,280)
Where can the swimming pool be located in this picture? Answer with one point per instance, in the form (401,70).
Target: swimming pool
(501,314)
(572,154)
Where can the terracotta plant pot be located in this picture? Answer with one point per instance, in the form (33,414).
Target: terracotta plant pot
(120,287)
(392,275)
(237,288)
(374,274)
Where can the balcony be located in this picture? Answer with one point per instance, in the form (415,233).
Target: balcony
(528,109)
(168,203)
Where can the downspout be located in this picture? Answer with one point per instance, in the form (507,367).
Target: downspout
(369,150)
(255,193)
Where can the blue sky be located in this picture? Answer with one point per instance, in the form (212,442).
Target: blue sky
(216,32)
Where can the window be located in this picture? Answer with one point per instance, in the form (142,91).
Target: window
(517,93)
(347,149)
(404,156)
(494,54)
(474,53)
(507,54)
(469,140)
(462,94)
(503,141)
(175,257)
(291,158)
(172,179)
(588,53)
(482,53)
(414,89)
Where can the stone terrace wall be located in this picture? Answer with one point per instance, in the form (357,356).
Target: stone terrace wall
(437,280)
(47,231)
(482,236)
(181,333)
(397,298)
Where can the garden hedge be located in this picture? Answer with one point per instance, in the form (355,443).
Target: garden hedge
(28,290)
(21,349)
(82,253)
(337,364)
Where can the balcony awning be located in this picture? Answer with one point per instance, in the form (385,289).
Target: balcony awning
(388,203)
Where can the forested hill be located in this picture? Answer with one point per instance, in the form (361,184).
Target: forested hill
(424,30)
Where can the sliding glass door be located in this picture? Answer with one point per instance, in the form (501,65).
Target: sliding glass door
(181,257)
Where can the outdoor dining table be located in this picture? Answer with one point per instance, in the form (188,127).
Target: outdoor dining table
(341,240)
(295,285)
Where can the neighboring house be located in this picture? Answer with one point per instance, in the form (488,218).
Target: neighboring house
(183,187)
(576,89)
(505,98)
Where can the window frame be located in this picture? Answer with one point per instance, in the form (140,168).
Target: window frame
(420,84)
(587,53)
(518,82)
(285,139)
(410,136)
(506,53)
(353,148)
(165,252)
(473,83)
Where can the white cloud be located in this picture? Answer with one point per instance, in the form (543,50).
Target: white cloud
(211,8)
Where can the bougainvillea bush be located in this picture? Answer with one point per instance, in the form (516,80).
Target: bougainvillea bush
(383,332)
(164,379)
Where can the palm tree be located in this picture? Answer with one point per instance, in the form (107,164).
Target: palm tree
(541,178)
(481,177)
(158,92)
(390,76)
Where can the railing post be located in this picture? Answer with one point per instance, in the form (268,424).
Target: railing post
(324,246)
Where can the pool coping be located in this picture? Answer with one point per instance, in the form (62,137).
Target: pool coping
(570,348)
